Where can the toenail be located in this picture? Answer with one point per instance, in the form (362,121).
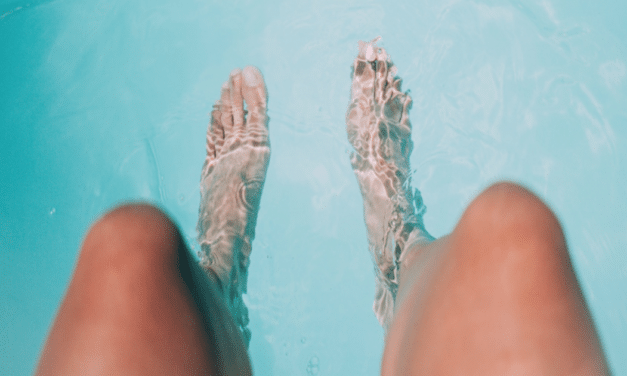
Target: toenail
(251,76)
(370,53)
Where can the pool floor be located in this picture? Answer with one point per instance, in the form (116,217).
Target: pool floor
(107,101)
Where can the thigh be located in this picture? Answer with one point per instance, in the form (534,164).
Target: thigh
(138,304)
(496,296)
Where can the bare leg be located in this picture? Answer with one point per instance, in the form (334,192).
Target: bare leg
(496,296)
(136,305)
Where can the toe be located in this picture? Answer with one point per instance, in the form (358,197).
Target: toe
(405,123)
(363,80)
(211,145)
(368,50)
(215,126)
(221,118)
(381,76)
(237,103)
(254,89)
(397,82)
(226,115)
(363,72)
(359,119)
(255,95)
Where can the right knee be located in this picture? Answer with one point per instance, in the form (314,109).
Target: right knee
(508,213)
(506,204)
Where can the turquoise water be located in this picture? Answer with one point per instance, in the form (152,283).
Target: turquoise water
(107,101)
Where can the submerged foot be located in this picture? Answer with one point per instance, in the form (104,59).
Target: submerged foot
(238,153)
(378,127)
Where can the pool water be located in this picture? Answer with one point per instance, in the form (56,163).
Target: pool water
(107,101)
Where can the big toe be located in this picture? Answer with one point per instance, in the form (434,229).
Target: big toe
(236,101)
(254,88)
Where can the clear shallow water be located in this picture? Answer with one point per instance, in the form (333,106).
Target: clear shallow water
(108,101)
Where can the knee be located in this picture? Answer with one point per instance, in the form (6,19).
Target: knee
(132,232)
(511,213)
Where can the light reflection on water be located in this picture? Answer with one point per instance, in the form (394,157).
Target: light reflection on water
(109,101)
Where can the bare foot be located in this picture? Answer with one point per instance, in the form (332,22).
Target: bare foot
(377,122)
(238,153)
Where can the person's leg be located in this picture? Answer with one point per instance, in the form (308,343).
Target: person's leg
(130,308)
(497,296)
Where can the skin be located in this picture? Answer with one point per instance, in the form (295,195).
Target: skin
(129,309)
(498,296)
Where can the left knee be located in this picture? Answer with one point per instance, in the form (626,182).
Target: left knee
(133,233)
